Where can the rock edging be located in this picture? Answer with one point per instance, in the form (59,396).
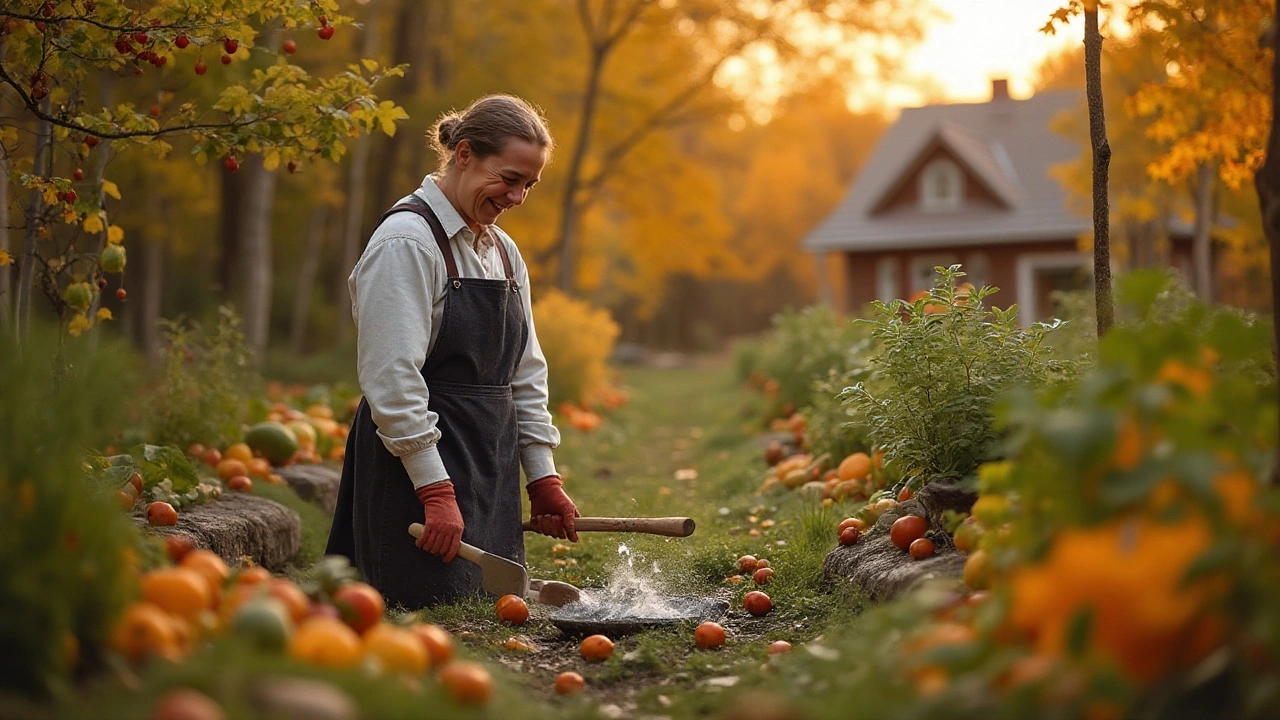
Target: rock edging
(237,526)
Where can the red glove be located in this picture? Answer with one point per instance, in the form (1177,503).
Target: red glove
(551,512)
(443,520)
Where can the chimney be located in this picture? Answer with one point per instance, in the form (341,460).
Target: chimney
(999,89)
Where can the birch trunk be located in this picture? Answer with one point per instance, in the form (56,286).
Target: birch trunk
(255,253)
(1101,165)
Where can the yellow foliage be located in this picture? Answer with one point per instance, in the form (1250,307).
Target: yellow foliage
(5,258)
(577,340)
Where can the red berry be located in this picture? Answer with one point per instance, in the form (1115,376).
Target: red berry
(289,46)
(159,60)
(226,59)
(231,163)
(102,283)
(91,140)
(201,67)
(140,38)
(40,25)
(154,111)
(121,293)
(291,167)
(69,196)
(324,20)
(90,5)
(325,32)
(47,9)
(230,46)
(77,174)
(122,45)
(155,22)
(181,42)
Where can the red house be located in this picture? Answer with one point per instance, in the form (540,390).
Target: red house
(968,184)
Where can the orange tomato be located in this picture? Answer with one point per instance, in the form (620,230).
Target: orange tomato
(757,603)
(360,604)
(230,468)
(763,576)
(397,649)
(437,641)
(209,565)
(513,609)
(920,548)
(569,682)
(747,563)
(179,590)
(326,641)
(709,635)
(238,451)
(778,647)
(595,648)
(212,457)
(259,468)
(906,530)
(239,483)
(291,596)
(854,467)
(161,513)
(467,682)
(143,631)
(253,575)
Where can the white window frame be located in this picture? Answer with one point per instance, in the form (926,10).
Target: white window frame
(1025,271)
(950,173)
(887,273)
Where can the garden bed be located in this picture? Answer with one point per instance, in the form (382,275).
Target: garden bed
(239,526)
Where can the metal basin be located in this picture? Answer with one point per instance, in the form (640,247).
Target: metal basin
(590,618)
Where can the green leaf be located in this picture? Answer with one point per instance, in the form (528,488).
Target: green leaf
(158,462)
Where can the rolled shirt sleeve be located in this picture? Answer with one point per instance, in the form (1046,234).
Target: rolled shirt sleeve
(393,289)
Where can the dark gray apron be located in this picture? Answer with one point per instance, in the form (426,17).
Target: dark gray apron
(468,373)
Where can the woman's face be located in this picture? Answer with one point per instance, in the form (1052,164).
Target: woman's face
(489,186)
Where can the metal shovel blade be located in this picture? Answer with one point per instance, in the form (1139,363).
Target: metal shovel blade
(498,575)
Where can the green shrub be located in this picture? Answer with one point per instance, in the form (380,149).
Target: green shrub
(939,367)
(66,548)
(833,425)
(577,340)
(803,347)
(206,386)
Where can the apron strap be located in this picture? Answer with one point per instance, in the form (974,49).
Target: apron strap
(420,207)
(506,261)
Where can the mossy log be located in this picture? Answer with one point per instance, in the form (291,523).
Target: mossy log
(316,483)
(237,526)
(880,570)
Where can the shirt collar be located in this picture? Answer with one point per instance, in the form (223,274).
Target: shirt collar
(450,220)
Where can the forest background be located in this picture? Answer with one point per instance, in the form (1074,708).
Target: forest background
(697,143)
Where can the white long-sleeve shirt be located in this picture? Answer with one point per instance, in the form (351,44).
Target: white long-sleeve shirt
(397,299)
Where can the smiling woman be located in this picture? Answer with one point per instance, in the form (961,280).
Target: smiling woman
(454,381)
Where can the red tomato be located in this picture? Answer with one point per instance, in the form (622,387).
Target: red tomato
(849,535)
(360,605)
(757,603)
(907,529)
(921,548)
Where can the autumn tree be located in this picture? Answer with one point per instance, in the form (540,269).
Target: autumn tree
(68,65)
(793,35)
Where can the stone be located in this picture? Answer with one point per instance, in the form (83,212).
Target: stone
(302,699)
(239,525)
(882,571)
(314,482)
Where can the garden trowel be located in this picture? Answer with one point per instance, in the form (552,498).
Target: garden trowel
(498,575)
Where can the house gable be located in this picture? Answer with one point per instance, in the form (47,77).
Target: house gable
(905,195)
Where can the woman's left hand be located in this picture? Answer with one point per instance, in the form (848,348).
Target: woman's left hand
(551,512)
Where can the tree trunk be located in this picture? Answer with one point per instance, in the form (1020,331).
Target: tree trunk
(1101,164)
(153,262)
(357,179)
(307,281)
(35,209)
(255,253)
(1202,238)
(569,202)
(6,274)
(1267,183)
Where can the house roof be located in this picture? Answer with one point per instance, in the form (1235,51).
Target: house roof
(1006,144)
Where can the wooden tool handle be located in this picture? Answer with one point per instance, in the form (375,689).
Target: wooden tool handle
(465,551)
(668,526)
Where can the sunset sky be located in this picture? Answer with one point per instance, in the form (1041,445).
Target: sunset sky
(978,41)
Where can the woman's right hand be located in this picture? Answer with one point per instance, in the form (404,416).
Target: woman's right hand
(442,520)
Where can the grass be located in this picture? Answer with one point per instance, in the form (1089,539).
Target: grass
(315,521)
(678,420)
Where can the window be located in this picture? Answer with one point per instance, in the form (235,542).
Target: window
(922,274)
(941,186)
(887,278)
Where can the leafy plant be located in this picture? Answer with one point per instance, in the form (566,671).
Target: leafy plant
(206,386)
(833,425)
(939,367)
(66,548)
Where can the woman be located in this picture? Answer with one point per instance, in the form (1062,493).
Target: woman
(454,381)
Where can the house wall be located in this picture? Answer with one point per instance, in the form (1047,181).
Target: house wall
(907,193)
(889,274)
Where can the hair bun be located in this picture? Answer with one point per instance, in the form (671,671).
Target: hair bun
(444,131)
